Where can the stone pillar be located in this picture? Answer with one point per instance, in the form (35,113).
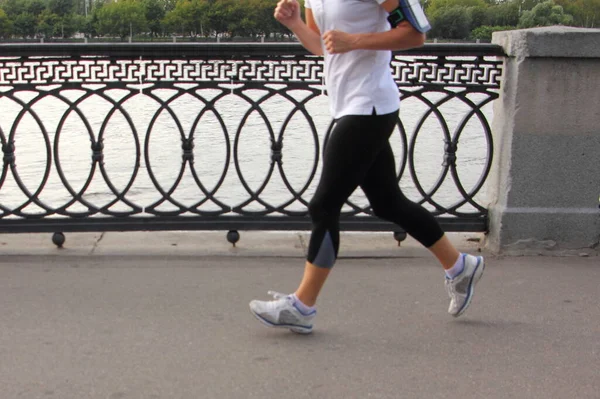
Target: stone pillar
(545,182)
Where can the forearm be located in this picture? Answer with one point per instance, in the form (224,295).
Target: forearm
(403,37)
(308,37)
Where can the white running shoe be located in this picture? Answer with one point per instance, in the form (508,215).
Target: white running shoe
(283,313)
(461,288)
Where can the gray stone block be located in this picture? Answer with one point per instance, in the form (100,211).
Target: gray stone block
(545,180)
(552,41)
(555,171)
(562,231)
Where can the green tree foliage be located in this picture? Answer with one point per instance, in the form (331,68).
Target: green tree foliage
(6,25)
(48,23)
(267,24)
(189,17)
(247,18)
(14,8)
(169,5)
(451,19)
(478,16)
(243,19)
(122,18)
(25,25)
(219,12)
(64,10)
(586,13)
(485,32)
(451,23)
(503,14)
(61,8)
(545,14)
(36,7)
(92,22)
(434,5)
(455,19)
(154,13)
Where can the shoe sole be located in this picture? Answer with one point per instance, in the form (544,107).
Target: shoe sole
(474,281)
(295,329)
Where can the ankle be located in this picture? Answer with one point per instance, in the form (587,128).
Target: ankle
(305,300)
(457,267)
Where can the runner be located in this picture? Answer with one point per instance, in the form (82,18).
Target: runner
(357,40)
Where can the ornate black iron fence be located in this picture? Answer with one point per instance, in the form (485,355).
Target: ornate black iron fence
(199,136)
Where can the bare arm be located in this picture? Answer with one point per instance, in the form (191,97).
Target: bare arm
(403,37)
(309,34)
(287,13)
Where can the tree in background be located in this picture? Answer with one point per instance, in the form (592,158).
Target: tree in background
(13,7)
(6,25)
(586,13)
(169,5)
(478,16)
(64,9)
(545,14)
(503,14)
(48,23)
(451,19)
(122,18)
(61,7)
(23,15)
(434,5)
(451,23)
(25,25)
(154,13)
(455,19)
(35,7)
(218,15)
(188,17)
(267,24)
(484,17)
(243,18)
(92,21)
(525,5)
(485,32)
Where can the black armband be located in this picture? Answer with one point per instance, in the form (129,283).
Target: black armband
(396,17)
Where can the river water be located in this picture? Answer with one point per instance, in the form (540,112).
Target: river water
(164,160)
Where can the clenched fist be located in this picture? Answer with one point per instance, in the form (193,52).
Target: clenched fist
(287,13)
(336,41)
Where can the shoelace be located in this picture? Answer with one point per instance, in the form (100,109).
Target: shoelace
(278,295)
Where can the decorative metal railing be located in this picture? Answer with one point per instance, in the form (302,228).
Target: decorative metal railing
(223,136)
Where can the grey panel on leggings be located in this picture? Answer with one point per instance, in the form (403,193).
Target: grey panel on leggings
(326,256)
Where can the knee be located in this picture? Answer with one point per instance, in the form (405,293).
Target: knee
(320,211)
(384,212)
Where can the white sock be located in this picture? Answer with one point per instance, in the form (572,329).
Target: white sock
(301,306)
(458,267)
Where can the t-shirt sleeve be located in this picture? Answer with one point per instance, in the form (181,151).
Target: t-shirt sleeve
(307,4)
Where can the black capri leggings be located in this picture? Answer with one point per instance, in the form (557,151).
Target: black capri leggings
(358,153)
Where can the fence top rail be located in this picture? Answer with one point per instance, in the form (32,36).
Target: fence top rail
(210,50)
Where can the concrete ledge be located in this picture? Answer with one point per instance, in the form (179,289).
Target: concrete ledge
(554,41)
(214,243)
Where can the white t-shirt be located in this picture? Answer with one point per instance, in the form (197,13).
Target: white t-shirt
(359,80)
